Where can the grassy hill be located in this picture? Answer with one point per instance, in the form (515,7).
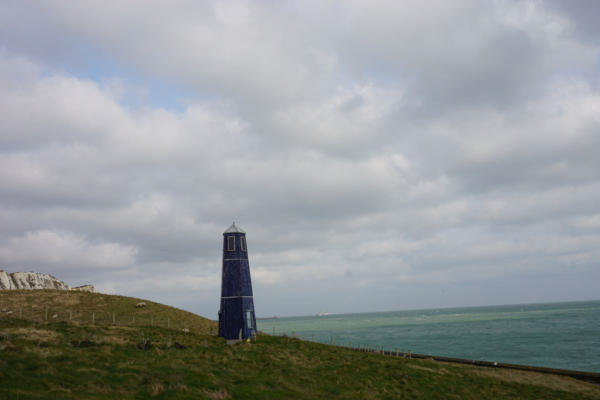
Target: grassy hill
(96,308)
(64,360)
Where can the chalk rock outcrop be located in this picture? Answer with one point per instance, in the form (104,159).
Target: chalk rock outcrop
(6,282)
(85,288)
(33,280)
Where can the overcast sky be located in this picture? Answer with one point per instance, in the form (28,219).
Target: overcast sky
(380,155)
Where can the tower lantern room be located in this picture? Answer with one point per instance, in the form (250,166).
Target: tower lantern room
(236,316)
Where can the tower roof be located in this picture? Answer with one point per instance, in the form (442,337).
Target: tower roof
(234,229)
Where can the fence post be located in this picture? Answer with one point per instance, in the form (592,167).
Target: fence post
(240,335)
(70,315)
(397,354)
(113,318)
(93,318)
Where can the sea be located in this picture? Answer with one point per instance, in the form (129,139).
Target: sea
(554,335)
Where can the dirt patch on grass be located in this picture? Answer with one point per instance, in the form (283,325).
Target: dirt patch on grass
(69,301)
(120,340)
(105,389)
(122,328)
(176,384)
(156,388)
(94,370)
(536,379)
(34,334)
(43,352)
(219,394)
(441,371)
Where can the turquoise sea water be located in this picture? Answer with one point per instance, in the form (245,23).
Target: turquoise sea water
(555,335)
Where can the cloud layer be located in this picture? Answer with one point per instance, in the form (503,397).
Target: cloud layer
(384,156)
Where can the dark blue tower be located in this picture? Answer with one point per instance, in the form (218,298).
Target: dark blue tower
(237,304)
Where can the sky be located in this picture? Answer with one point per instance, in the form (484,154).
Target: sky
(381,155)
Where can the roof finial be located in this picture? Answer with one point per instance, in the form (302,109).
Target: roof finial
(234,229)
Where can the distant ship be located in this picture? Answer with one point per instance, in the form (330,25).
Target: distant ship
(323,313)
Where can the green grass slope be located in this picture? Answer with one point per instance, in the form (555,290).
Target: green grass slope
(38,360)
(96,308)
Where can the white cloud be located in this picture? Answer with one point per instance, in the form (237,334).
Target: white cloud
(44,250)
(356,144)
(266,277)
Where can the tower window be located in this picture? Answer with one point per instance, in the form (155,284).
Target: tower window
(249,319)
(243,243)
(231,243)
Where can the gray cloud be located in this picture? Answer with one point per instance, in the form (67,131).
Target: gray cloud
(399,155)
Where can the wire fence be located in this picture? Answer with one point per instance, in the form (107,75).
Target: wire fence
(49,314)
(390,351)
(590,377)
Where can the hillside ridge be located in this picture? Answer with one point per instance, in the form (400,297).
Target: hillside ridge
(96,308)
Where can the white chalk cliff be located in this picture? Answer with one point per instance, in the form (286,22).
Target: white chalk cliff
(32,281)
(85,288)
